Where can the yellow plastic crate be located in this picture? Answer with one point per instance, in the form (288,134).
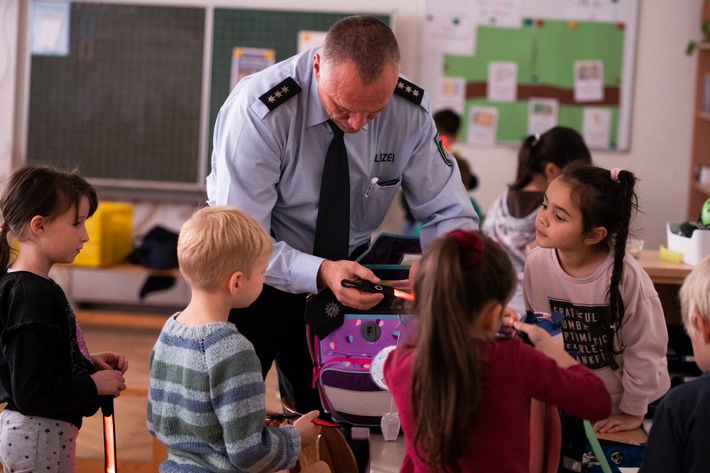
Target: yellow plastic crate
(109,235)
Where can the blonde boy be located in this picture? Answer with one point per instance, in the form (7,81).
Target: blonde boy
(206,399)
(678,440)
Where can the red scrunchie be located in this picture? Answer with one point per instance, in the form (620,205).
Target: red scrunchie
(470,246)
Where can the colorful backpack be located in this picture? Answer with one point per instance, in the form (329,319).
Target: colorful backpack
(343,352)
(343,363)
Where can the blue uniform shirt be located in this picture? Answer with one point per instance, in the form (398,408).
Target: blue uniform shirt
(268,160)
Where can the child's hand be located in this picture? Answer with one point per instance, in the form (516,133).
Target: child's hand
(308,430)
(109,382)
(543,342)
(109,361)
(510,316)
(618,422)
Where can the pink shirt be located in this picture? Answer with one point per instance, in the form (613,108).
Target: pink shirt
(642,374)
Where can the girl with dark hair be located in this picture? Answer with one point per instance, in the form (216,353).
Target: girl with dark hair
(614,321)
(48,378)
(463,392)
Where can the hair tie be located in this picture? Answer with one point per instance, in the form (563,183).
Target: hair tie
(536,138)
(3,227)
(615,174)
(470,246)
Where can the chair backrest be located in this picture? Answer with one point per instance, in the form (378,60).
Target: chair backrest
(335,451)
(330,454)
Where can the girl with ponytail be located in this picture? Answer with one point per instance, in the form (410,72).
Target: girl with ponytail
(614,321)
(463,392)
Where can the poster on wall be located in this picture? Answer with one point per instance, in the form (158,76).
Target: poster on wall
(247,61)
(310,39)
(50,29)
(482,125)
(542,115)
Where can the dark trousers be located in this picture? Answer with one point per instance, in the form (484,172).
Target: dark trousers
(274,324)
(574,440)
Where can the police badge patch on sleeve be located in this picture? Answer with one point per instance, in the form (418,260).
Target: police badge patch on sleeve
(442,150)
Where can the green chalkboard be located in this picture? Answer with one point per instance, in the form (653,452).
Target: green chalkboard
(124,103)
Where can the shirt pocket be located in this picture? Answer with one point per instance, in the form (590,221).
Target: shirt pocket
(374,203)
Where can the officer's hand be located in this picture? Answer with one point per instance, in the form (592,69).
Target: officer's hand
(330,275)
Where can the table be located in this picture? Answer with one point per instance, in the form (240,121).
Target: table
(119,286)
(661,271)
(667,277)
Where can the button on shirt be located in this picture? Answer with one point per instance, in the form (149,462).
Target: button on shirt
(268,163)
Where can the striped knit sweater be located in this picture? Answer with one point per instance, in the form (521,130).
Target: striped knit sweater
(206,403)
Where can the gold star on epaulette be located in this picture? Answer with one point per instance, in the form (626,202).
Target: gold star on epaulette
(409,91)
(280,93)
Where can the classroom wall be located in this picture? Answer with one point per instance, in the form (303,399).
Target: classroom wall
(661,121)
(8,70)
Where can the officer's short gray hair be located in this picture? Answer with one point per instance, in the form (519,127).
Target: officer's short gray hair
(364,40)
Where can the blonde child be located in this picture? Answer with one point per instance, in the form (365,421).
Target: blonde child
(48,378)
(614,321)
(462,393)
(511,218)
(677,442)
(206,398)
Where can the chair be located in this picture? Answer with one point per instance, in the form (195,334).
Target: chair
(331,451)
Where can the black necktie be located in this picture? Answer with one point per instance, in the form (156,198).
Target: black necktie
(333,223)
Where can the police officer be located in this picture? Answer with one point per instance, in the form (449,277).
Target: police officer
(270,141)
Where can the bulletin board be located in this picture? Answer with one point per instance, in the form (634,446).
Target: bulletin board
(123,103)
(549,39)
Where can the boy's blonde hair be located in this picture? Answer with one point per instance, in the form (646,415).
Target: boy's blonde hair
(218,241)
(695,296)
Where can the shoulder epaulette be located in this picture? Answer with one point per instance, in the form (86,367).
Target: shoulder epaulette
(280,93)
(409,91)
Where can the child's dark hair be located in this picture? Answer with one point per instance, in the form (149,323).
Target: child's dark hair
(460,275)
(606,199)
(39,190)
(559,145)
(447,121)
